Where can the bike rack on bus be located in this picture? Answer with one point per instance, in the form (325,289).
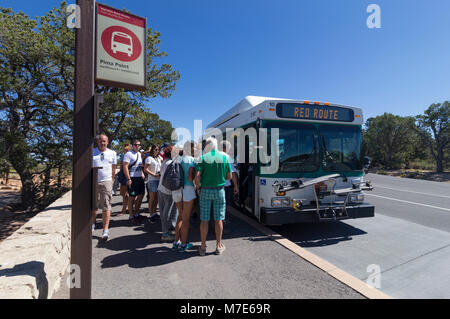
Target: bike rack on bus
(298,184)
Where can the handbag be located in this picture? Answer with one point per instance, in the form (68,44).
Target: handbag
(121,175)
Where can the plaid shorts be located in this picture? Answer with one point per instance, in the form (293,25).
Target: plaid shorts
(217,198)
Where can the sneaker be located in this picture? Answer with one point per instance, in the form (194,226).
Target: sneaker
(202,251)
(219,251)
(176,246)
(155,217)
(182,248)
(133,220)
(136,219)
(167,238)
(105,235)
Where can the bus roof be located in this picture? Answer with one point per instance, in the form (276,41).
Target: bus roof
(250,102)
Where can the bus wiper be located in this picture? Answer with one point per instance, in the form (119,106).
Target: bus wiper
(298,184)
(364,185)
(327,155)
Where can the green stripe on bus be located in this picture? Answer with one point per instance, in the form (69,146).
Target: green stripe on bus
(316,174)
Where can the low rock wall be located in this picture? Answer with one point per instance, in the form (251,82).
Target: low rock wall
(35,258)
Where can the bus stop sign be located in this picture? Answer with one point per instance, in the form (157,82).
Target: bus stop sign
(120,49)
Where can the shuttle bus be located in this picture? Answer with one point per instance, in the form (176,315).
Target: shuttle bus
(122,42)
(315,172)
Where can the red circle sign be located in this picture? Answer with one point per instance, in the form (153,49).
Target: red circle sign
(121,43)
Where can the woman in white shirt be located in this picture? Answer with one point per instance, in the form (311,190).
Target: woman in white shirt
(153,169)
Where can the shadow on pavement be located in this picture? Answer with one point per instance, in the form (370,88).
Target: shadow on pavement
(155,256)
(142,247)
(321,234)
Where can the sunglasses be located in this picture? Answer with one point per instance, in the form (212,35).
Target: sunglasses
(137,144)
(102,157)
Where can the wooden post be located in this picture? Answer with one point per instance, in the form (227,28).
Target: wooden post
(83,141)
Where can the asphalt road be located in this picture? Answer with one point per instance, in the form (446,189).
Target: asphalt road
(407,242)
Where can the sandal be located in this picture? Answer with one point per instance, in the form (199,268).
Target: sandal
(202,251)
(219,251)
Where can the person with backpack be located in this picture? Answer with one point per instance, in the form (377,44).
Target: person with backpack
(184,197)
(167,208)
(132,169)
(123,181)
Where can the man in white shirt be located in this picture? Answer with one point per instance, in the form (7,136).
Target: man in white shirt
(106,160)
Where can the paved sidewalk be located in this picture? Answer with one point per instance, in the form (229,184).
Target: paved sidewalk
(134,264)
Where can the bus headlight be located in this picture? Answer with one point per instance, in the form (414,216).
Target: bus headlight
(281,202)
(357,198)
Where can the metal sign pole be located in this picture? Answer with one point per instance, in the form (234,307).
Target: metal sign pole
(83,138)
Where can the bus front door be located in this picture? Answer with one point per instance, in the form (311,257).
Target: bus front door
(246,187)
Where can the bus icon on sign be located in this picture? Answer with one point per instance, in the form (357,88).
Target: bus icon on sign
(122,42)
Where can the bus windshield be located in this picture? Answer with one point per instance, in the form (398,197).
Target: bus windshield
(298,148)
(304,148)
(341,147)
(122,39)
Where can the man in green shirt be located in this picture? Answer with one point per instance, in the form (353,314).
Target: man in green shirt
(212,172)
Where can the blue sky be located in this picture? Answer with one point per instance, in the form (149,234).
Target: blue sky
(317,50)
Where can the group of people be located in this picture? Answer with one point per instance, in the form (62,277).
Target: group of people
(204,178)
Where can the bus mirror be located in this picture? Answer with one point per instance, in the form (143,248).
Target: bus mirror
(366,163)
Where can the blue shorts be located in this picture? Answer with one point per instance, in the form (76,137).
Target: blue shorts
(153,185)
(217,198)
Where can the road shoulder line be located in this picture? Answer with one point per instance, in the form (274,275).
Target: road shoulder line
(408,202)
(342,276)
(407,191)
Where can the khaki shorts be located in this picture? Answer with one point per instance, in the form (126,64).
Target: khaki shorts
(104,195)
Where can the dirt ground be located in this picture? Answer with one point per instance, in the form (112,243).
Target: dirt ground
(10,220)
(415,173)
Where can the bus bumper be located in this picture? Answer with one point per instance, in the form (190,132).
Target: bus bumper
(280,216)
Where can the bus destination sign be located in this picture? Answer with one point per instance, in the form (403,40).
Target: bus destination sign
(315,112)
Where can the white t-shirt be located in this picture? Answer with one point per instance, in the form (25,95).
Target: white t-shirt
(233,169)
(130,157)
(155,167)
(105,161)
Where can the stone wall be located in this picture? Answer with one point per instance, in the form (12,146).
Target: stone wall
(35,258)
